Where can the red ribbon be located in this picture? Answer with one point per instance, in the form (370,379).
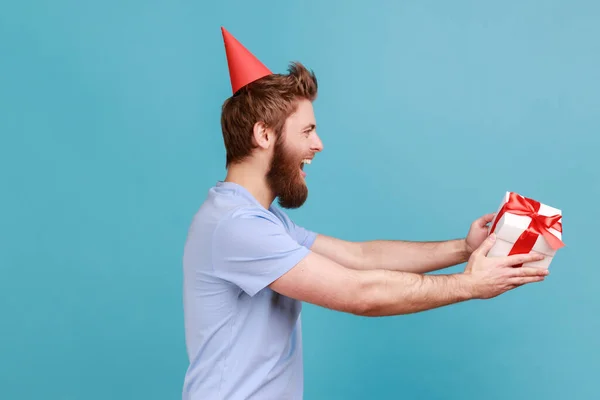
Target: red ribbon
(539,225)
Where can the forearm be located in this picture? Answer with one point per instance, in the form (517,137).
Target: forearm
(386,293)
(417,257)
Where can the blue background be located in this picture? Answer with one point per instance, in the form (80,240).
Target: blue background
(429,111)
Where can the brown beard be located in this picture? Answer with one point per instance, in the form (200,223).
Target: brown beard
(284,178)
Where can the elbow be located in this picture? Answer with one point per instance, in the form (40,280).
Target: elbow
(365,309)
(368,296)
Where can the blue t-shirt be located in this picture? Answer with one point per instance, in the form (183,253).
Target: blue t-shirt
(243,340)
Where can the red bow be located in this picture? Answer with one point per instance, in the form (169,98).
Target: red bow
(539,225)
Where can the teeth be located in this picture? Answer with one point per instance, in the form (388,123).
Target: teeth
(306,161)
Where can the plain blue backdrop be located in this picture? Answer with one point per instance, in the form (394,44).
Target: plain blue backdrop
(429,111)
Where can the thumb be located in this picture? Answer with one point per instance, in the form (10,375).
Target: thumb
(487,244)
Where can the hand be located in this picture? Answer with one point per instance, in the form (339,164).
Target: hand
(478,232)
(492,276)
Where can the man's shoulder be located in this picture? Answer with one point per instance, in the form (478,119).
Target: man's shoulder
(247,219)
(228,213)
(229,217)
(221,207)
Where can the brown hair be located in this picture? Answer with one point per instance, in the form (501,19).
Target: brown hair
(271,99)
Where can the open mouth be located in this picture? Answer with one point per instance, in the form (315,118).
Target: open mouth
(304,162)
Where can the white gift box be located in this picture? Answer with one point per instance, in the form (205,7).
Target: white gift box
(510,227)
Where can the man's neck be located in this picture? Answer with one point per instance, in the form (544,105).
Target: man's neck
(253,181)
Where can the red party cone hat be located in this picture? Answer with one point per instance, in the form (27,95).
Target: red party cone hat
(244,67)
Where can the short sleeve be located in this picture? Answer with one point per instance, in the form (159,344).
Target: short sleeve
(302,235)
(253,249)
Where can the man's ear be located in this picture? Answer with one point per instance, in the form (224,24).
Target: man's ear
(262,136)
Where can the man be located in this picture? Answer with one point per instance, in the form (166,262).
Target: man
(248,267)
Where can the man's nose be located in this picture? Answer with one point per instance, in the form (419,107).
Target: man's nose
(317,144)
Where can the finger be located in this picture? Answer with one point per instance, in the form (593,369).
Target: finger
(486,245)
(529,272)
(517,259)
(486,219)
(523,280)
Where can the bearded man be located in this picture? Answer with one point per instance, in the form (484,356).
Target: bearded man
(248,267)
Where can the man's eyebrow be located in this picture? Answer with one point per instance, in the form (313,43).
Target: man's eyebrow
(311,126)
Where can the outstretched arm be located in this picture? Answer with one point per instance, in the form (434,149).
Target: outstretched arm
(417,257)
(394,255)
(404,256)
(374,292)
